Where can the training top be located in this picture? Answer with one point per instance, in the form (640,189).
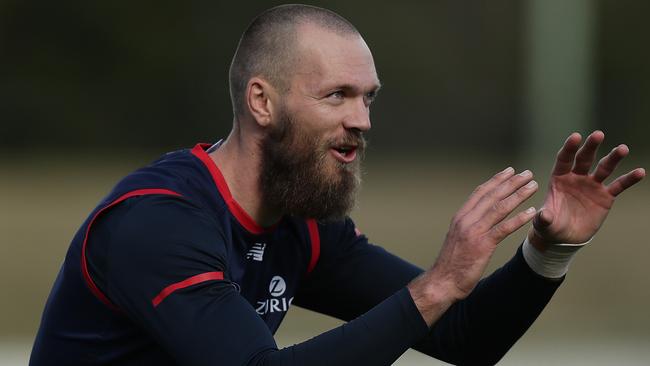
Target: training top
(170,270)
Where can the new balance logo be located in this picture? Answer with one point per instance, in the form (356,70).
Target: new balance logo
(256,253)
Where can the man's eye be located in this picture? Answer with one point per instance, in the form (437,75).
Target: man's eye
(337,94)
(370,97)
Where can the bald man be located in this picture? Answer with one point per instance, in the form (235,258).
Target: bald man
(196,258)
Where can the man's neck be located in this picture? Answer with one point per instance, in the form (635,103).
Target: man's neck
(240,162)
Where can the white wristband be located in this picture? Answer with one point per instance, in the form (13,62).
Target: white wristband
(554,261)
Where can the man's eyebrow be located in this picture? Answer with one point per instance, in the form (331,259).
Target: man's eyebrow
(355,88)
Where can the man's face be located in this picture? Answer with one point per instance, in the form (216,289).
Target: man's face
(313,152)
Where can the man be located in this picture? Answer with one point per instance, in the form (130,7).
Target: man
(195,259)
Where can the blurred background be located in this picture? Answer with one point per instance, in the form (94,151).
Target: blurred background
(92,90)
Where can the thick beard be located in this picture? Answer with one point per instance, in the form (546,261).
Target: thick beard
(300,179)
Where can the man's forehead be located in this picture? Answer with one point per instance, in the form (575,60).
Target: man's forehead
(327,56)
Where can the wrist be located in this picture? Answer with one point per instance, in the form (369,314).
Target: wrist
(432,296)
(536,240)
(551,260)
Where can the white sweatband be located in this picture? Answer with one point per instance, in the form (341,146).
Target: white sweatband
(554,261)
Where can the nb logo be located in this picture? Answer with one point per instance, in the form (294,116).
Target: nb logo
(277,286)
(256,253)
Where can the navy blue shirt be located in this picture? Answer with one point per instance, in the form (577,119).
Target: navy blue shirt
(169,270)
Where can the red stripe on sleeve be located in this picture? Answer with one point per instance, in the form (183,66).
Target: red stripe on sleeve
(314,237)
(207,276)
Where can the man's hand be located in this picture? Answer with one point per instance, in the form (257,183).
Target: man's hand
(473,235)
(578,202)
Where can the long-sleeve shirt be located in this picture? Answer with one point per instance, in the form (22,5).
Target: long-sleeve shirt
(178,274)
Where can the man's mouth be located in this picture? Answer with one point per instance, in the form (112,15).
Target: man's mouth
(344,153)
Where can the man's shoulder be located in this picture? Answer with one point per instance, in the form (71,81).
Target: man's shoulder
(167,214)
(174,171)
(338,232)
(344,224)
(179,175)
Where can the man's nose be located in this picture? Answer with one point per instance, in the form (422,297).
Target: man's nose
(358,117)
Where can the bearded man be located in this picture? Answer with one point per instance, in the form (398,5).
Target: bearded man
(195,259)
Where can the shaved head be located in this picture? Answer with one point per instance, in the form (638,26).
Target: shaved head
(268,48)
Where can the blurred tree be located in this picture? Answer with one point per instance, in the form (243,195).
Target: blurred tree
(559,78)
(623,66)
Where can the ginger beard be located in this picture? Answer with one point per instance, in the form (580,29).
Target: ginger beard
(300,177)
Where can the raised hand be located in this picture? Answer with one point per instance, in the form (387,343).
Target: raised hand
(476,229)
(577,201)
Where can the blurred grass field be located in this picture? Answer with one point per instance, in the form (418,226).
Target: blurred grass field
(598,317)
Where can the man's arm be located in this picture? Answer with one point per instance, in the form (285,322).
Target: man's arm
(481,328)
(354,275)
(365,274)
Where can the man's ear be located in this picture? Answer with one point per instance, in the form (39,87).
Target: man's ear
(260,98)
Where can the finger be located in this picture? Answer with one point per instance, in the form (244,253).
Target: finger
(587,153)
(484,188)
(503,190)
(608,164)
(501,209)
(566,155)
(507,227)
(626,181)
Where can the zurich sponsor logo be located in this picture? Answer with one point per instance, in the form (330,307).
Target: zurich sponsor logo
(256,253)
(277,286)
(275,304)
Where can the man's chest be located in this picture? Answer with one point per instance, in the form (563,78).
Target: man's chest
(267,271)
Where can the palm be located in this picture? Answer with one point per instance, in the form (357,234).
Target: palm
(580,205)
(577,202)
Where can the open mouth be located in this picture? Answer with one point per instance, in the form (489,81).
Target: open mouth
(344,153)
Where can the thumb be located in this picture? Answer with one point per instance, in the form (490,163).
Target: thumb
(543,219)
